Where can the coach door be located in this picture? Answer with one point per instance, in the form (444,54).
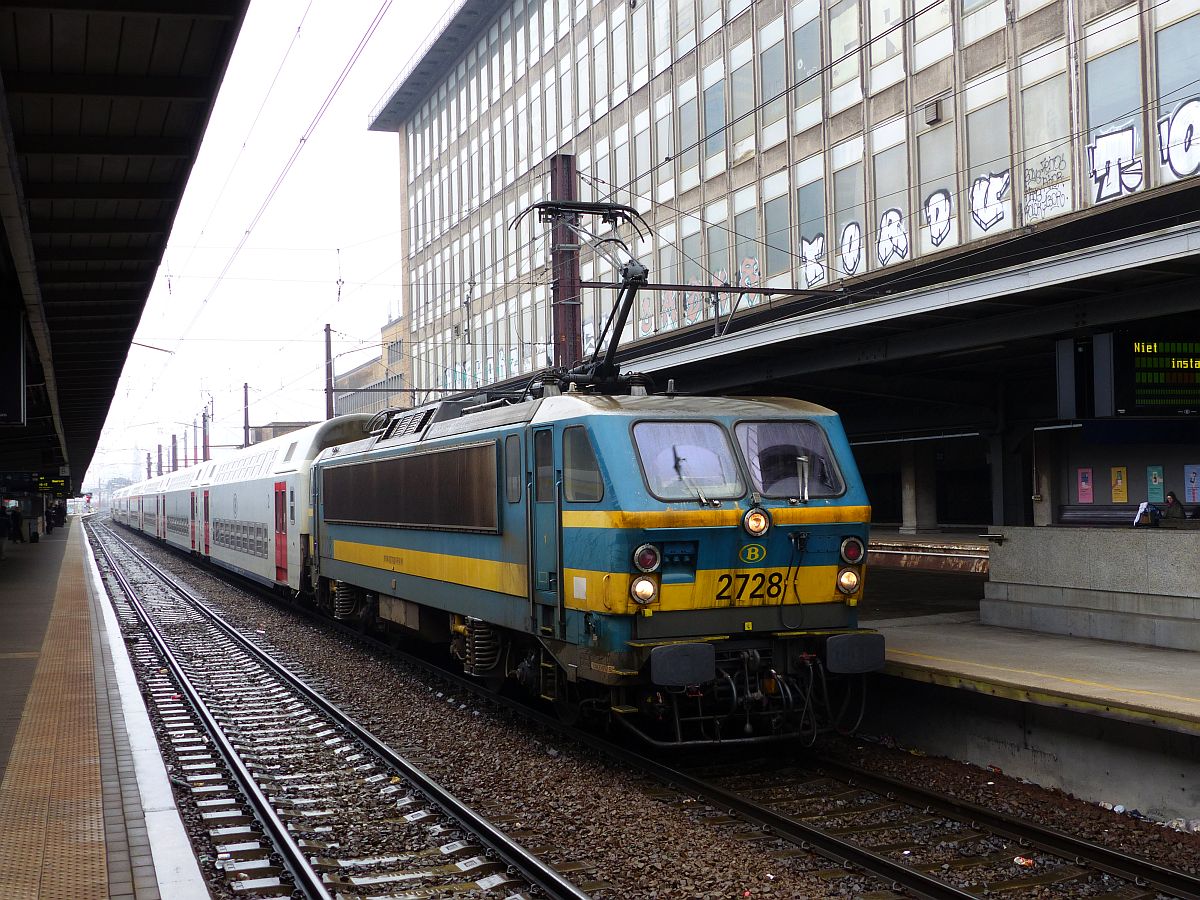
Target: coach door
(206,526)
(192,521)
(546,522)
(281,531)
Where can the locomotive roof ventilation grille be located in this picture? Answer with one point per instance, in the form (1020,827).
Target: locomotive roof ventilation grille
(409,424)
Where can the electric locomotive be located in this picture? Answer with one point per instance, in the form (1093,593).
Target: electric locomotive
(690,565)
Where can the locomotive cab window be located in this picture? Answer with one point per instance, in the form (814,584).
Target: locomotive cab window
(581,473)
(512,468)
(688,461)
(784,456)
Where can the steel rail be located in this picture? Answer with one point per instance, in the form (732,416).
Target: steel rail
(1141,872)
(304,876)
(536,872)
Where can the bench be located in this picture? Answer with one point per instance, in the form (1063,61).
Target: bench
(1108,514)
(1114,515)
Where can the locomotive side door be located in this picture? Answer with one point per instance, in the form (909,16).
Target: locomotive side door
(546,525)
(281,531)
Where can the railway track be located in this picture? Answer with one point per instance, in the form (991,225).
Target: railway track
(908,841)
(294,795)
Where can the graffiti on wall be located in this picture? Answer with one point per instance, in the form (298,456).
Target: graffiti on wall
(811,254)
(987,197)
(850,248)
(1047,186)
(1179,139)
(1114,165)
(937,210)
(645,323)
(750,275)
(670,311)
(693,303)
(891,244)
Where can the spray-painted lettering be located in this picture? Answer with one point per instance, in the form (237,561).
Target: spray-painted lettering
(1114,165)
(811,254)
(850,247)
(1179,139)
(987,199)
(937,216)
(892,242)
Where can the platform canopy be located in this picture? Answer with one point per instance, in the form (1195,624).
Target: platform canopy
(103,105)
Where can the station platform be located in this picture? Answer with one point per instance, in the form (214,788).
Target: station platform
(86,809)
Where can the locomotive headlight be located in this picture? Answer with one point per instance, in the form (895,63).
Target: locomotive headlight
(847,581)
(647,558)
(852,550)
(756,521)
(643,589)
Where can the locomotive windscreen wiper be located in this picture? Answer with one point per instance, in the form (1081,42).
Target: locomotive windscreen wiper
(687,482)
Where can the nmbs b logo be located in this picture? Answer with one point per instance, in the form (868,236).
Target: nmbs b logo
(752,553)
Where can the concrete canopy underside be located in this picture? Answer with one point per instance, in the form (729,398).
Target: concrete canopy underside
(103,108)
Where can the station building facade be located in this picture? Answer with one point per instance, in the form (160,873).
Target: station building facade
(847,148)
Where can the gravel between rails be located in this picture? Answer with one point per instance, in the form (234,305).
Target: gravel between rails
(550,792)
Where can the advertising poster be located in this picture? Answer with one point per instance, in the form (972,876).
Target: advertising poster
(1154,484)
(1120,484)
(1085,485)
(1191,484)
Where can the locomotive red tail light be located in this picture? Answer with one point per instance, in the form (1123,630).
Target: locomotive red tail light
(647,558)
(852,550)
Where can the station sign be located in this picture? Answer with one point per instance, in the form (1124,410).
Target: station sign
(1155,376)
(33,483)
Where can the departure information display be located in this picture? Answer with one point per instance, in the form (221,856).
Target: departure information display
(1156,377)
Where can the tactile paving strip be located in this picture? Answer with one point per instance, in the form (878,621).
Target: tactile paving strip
(51,807)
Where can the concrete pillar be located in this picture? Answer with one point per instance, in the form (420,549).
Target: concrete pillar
(996,460)
(918,488)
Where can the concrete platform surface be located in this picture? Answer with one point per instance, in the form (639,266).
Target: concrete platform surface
(73,820)
(1143,685)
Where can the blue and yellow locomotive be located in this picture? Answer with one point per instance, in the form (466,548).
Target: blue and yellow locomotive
(691,564)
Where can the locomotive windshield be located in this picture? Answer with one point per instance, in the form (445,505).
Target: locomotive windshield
(782,456)
(688,461)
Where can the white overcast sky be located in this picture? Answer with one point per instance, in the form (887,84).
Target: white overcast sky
(263,323)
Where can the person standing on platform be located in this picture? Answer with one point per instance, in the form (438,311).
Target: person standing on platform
(15,520)
(5,528)
(1174,508)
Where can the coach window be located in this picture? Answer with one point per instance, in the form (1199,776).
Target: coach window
(512,468)
(581,473)
(543,461)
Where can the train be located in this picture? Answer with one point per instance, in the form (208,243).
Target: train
(687,568)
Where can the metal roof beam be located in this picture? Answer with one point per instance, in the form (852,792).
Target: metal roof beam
(150,254)
(194,9)
(156,87)
(99,226)
(102,190)
(102,145)
(102,277)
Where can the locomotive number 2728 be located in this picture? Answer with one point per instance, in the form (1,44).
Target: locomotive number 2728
(734,587)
